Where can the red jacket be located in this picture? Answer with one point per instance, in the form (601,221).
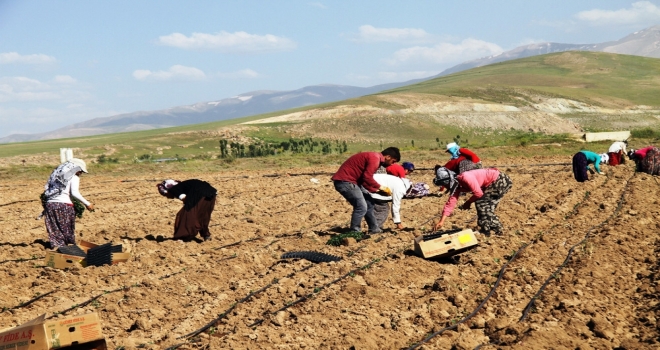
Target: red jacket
(359,169)
(465,154)
(396,170)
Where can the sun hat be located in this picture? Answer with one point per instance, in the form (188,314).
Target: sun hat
(451,145)
(408,166)
(80,163)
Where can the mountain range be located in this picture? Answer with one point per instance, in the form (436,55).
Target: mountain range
(641,43)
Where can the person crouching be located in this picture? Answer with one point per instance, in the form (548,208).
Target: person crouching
(488,186)
(198,199)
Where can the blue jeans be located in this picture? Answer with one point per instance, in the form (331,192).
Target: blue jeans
(363,206)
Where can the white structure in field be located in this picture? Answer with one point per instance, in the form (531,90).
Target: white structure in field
(65,154)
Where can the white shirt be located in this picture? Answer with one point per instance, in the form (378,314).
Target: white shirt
(72,188)
(618,146)
(398,186)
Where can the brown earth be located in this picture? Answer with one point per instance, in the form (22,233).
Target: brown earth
(606,297)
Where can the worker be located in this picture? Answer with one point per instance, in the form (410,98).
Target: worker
(59,212)
(382,208)
(462,159)
(616,153)
(198,199)
(399,187)
(400,170)
(581,161)
(356,174)
(647,160)
(487,186)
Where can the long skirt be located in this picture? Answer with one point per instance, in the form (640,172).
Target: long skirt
(60,221)
(486,205)
(616,158)
(467,165)
(651,163)
(580,167)
(196,220)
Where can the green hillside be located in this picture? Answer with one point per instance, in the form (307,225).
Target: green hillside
(598,78)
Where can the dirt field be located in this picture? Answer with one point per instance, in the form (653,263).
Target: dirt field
(380,296)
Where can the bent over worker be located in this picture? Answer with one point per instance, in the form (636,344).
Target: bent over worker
(488,186)
(358,171)
(198,199)
(399,187)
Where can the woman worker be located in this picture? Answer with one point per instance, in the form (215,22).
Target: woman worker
(647,159)
(462,159)
(60,216)
(488,186)
(581,161)
(198,199)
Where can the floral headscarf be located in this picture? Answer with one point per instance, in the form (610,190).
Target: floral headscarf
(60,178)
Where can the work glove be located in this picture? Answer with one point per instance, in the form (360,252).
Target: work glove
(385,190)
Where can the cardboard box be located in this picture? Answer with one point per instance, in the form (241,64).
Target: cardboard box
(63,261)
(67,333)
(445,245)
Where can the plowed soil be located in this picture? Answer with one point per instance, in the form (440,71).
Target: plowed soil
(379,296)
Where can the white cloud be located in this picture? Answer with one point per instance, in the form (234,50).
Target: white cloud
(241,74)
(445,52)
(368,33)
(174,73)
(641,12)
(318,4)
(64,79)
(238,42)
(20,89)
(14,57)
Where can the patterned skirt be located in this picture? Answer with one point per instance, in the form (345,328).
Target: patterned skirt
(486,205)
(651,163)
(60,221)
(467,165)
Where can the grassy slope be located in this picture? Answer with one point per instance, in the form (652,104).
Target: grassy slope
(599,78)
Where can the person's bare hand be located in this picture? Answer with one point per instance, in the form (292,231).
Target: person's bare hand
(399,226)
(90,207)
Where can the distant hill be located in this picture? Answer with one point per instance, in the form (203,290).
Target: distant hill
(641,43)
(246,104)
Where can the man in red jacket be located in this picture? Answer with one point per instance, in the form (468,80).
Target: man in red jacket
(358,171)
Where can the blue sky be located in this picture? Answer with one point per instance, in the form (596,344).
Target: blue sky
(63,62)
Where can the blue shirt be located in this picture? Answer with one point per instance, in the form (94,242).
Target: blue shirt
(592,158)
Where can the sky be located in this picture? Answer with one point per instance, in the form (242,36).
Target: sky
(67,61)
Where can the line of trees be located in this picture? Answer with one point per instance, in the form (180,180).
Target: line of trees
(295,146)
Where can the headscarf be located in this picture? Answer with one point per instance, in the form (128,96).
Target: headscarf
(447,178)
(59,179)
(166,185)
(604,158)
(408,166)
(452,149)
